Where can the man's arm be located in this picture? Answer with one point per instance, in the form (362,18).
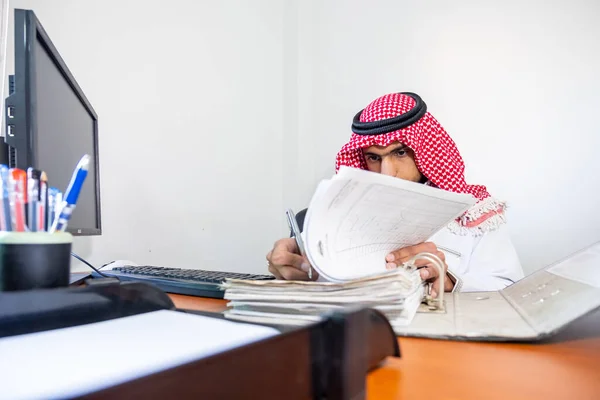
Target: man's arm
(494,263)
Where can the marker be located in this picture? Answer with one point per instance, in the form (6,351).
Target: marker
(5,218)
(71,195)
(17,192)
(43,203)
(54,198)
(33,198)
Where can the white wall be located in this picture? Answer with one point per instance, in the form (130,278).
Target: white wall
(248,102)
(515,83)
(189,98)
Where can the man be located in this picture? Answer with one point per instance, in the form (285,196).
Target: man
(395,135)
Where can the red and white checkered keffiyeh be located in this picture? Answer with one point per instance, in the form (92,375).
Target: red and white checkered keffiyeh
(436,157)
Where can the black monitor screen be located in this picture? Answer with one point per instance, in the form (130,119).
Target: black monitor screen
(50,124)
(65,132)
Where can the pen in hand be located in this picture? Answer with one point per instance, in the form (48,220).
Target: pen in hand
(291,219)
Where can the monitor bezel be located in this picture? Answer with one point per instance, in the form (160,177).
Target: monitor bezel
(28,30)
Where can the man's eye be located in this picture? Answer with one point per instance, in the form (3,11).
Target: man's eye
(401,152)
(372,158)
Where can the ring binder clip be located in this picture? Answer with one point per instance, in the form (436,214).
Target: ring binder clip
(433,304)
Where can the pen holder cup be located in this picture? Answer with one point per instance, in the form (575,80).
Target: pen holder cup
(34,260)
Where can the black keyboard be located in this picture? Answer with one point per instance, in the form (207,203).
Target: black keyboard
(193,282)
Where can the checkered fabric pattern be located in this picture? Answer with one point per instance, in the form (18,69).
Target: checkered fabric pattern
(436,155)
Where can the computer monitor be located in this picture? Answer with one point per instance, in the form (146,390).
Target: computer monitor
(50,124)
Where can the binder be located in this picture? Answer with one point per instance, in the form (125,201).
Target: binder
(328,359)
(532,309)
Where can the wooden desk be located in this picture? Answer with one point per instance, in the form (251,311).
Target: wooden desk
(568,367)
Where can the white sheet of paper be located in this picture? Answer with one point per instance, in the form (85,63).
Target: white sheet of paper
(45,365)
(358,217)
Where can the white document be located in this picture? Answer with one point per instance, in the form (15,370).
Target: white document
(42,365)
(356,218)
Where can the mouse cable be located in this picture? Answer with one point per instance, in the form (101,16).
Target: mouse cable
(89,265)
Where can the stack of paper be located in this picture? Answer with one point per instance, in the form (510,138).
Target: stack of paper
(357,217)
(396,293)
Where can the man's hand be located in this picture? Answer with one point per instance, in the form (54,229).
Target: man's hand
(428,272)
(285,262)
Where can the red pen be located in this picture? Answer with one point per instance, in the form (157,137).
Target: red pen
(18,198)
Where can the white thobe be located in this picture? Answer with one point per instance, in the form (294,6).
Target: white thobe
(484,263)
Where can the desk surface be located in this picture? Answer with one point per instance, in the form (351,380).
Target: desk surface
(566,367)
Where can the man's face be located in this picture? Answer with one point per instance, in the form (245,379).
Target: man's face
(394,160)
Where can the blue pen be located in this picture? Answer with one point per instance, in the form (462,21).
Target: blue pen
(71,194)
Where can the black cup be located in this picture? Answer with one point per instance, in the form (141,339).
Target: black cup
(34,260)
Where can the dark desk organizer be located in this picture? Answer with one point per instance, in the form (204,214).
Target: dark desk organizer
(326,360)
(34,260)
